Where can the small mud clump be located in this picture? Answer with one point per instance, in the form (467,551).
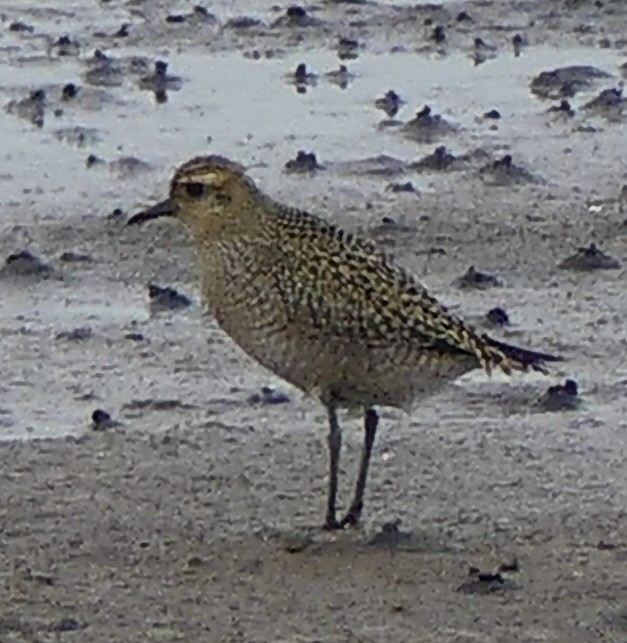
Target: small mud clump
(70,256)
(379,165)
(564,108)
(69,91)
(302,77)
(93,160)
(25,264)
(160,82)
(588,259)
(75,335)
(103,71)
(160,405)
(296,16)
(390,536)
(63,47)
(32,108)
(518,42)
(198,16)
(304,163)
(128,166)
(439,34)
(609,104)
(21,27)
(439,160)
(483,583)
(66,624)
(106,71)
(124,167)
(427,127)
(77,135)
(176,18)
(473,278)
(388,227)
(166,298)
(390,103)
(268,397)
(239,23)
(498,317)
(562,397)
(347,49)
(565,82)
(483,52)
(123,31)
(504,172)
(340,76)
(101,421)
(397,188)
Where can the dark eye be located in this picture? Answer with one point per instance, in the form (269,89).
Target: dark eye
(195,190)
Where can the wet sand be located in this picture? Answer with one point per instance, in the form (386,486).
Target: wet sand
(196,517)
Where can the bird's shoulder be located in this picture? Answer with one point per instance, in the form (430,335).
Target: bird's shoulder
(309,232)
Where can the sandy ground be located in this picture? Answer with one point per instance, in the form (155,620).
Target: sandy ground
(196,517)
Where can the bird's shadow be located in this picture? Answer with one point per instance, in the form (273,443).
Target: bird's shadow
(504,400)
(390,537)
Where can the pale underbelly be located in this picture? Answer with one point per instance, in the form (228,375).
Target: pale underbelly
(349,374)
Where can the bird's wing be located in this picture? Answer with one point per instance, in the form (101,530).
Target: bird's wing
(350,290)
(337,286)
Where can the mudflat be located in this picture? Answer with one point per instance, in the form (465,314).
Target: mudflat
(156,484)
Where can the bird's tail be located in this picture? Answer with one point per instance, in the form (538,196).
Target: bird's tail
(509,358)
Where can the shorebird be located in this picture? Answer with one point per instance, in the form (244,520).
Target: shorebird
(322,308)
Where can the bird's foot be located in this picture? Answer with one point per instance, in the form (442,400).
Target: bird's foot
(349,520)
(352,517)
(332,524)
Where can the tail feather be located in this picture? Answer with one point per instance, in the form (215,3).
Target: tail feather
(520,359)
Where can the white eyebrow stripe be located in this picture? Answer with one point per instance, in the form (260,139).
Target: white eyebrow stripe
(209,176)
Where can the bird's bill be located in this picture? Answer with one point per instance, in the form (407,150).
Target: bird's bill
(163,209)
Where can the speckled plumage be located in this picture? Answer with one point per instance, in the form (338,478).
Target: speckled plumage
(317,305)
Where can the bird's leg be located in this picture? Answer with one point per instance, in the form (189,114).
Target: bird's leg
(371,421)
(335,445)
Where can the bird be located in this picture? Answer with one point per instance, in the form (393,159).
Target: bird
(323,308)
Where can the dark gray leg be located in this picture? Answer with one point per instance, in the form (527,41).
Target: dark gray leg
(335,445)
(371,422)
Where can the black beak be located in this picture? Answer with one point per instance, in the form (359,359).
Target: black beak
(164,209)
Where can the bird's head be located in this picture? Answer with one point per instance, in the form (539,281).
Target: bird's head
(208,193)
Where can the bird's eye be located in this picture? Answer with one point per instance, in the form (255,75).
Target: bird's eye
(195,190)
